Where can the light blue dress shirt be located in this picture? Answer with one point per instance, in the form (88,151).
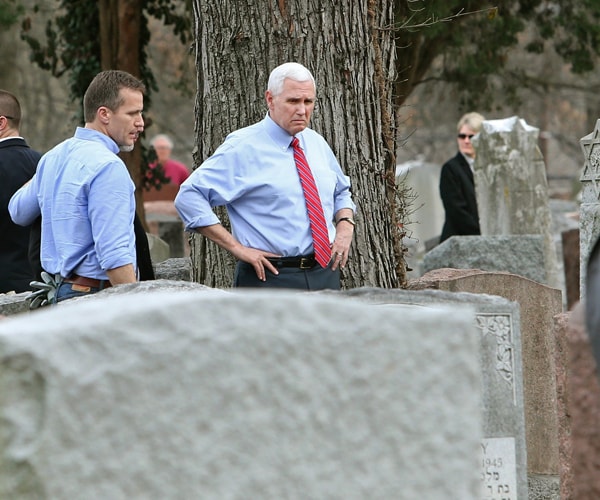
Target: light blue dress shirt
(85,196)
(253,174)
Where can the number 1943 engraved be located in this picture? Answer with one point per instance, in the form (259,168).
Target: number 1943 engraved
(498,469)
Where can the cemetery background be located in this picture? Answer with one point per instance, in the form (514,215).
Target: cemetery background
(562,116)
(564,111)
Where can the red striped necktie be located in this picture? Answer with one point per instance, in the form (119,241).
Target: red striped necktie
(318,226)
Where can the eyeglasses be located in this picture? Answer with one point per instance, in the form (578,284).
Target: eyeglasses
(464,136)
(7,117)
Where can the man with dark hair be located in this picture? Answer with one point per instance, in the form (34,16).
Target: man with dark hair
(17,166)
(85,195)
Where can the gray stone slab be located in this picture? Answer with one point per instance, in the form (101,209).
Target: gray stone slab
(539,305)
(511,186)
(174,269)
(516,254)
(504,461)
(239,395)
(13,303)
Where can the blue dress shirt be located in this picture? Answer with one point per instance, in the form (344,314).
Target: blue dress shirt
(253,174)
(85,195)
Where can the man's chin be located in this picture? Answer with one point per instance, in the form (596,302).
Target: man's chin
(128,148)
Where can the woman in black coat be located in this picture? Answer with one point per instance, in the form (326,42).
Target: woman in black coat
(457,186)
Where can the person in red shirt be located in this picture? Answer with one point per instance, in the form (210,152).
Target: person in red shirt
(176,172)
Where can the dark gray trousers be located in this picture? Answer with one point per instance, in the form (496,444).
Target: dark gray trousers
(316,278)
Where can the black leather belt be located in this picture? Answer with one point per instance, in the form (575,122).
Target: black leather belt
(302,262)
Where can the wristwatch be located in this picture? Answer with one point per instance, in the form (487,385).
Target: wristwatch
(347,219)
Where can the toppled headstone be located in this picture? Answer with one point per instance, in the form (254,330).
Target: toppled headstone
(516,254)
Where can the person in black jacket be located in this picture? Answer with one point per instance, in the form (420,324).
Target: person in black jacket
(457,186)
(17,165)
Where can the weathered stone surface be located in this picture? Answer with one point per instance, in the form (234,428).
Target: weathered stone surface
(589,223)
(498,323)
(253,395)
(539,304)
(144,287)
(583,405)
(571,266)
(565,449)
(13,303)
(159,249)
(516,254)
(174,269)
(511,185)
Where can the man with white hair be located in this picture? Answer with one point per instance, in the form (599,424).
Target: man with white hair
(287,198)
(175,171)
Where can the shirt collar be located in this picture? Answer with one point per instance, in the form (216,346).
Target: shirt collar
(470,161)
(11,137)
(88,134)
(279,135)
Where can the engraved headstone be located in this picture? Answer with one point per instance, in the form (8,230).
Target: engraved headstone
(503,465)
(539,304)
(511,185)
(589,221)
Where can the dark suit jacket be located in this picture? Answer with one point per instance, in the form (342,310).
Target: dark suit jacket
(457,190)
(17,165)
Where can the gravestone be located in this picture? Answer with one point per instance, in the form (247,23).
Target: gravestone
(571,265)
(215,394)
(582,403)
(511,185)
(589,222)
(13,303)
(174,269)
(539,304)
(427,216)
(159,249)
(504,460)
(517,254)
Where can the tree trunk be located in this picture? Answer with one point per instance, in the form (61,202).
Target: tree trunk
(120,25)
(348,47)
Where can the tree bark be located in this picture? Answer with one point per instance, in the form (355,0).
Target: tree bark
(348,46)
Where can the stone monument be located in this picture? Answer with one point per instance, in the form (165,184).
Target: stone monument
(504,452)
(215,394)
(589,222)
(511,185)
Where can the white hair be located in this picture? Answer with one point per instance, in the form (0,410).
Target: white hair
(291,70)
(162,137)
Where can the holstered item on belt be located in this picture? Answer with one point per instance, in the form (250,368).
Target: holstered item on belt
(75,279)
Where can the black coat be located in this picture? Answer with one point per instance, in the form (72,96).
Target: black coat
(17,165)
(457,190)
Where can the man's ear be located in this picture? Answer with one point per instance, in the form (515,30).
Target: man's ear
(268,98)
(103,115)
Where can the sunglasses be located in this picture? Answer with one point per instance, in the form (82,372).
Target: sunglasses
(464,136)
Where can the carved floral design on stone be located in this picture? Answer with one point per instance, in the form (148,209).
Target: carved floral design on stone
(500,327)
